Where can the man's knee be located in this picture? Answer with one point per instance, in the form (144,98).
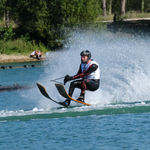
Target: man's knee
(72,84)
(76,84)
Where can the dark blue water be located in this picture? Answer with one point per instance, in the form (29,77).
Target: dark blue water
(129,131)
(119,117)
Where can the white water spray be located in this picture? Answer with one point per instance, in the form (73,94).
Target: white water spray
(124,63)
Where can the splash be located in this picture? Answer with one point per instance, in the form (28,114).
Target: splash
(123,60)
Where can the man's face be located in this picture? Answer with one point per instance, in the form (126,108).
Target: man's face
(84,58)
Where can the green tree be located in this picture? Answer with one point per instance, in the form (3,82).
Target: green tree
(2,8)
(116,6)
(45,20)
(142,6)
(132,5)
(146,6)
(110,7)
(77,11)
(123,3)
(104,7)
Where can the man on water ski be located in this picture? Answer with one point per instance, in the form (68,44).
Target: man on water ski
(89,72)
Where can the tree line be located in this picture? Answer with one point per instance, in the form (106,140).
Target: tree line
(122,6)
(46,20)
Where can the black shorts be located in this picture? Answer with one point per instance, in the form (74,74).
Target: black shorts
(84,84)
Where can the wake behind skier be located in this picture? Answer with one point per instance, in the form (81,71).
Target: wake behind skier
(89,72)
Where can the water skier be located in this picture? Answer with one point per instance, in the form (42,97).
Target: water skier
(89,72)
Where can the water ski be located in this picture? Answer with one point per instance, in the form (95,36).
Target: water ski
(44,93)
(61,89)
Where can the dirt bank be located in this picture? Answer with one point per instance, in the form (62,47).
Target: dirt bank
(15,58)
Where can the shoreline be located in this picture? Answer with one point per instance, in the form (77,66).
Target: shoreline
(16,58)
(132,19)
(4,58)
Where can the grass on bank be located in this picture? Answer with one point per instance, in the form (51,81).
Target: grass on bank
(134,14)
(21,47)
(128,15)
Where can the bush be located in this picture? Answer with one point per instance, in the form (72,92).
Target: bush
(20,46)
(6,33)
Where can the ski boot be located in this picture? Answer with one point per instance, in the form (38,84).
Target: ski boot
(66,103)
(81,97)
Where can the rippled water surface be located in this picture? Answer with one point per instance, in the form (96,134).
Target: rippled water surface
(119,117)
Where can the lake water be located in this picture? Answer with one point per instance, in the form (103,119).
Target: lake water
(119,117)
